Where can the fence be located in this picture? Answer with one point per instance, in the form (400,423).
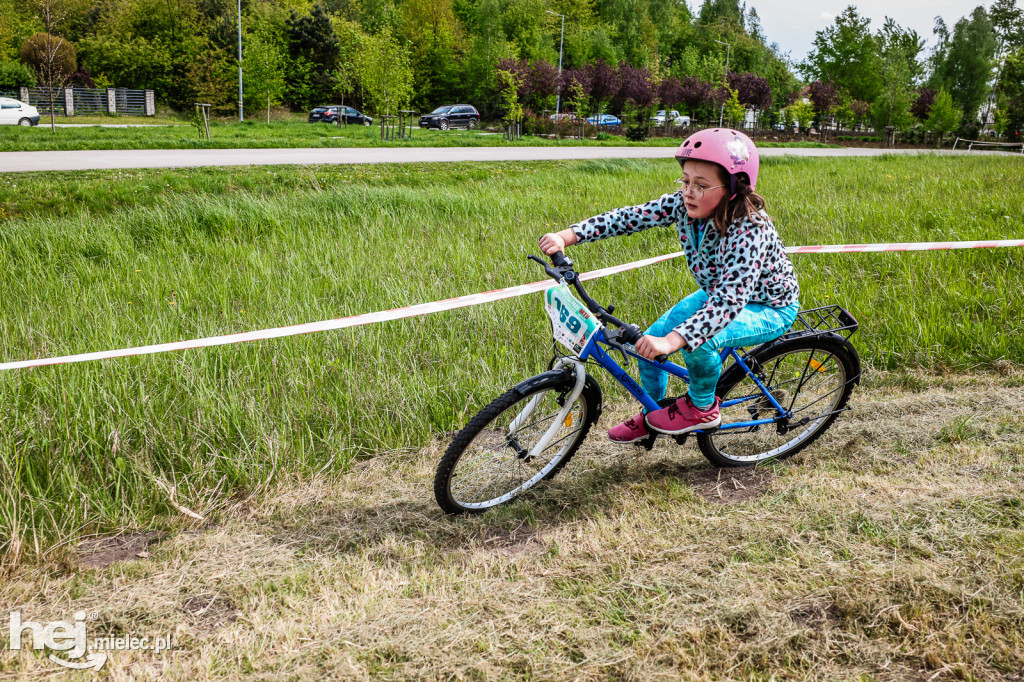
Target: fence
(72,101)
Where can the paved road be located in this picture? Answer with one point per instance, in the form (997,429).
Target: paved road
(16,162)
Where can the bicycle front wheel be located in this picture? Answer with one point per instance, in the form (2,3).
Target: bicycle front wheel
(811,378)
(492,460)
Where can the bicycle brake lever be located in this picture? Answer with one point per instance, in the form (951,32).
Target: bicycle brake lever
(614,343)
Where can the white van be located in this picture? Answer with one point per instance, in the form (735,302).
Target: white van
(13,112)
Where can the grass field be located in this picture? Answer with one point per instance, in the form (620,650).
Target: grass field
(253,134)
(890,550)
(104,260)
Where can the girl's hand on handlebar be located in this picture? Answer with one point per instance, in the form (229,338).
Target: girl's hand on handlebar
(551,243)
(651,347)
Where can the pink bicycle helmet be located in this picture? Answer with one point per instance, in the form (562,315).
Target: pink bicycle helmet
(730,149)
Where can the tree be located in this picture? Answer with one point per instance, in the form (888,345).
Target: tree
(735,112)
(604,83)
(51,57)
(384,72)
(14,75)
(801,112)
(752,90)
(263,65)
(1010,102)
(892,106)
(846,55)
(824,98)
(966,65)
(511,80)
(922,105)
(944,116)
(314,48)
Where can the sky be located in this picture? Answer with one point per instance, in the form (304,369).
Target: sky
(793,29)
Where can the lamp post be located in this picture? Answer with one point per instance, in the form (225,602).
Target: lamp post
(241,111)
(558,95)
(728,49)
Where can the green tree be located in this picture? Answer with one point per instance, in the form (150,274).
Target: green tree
(735,112)
(966,65)
(846,54)
(15,75)
(898,64)
(435,42)
(263,66)
(314,49)
(384,73)
(801,113)
(1010,99)
(944,116)
(50,56)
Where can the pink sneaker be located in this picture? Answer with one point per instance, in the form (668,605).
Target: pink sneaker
(683,417)
(629,431)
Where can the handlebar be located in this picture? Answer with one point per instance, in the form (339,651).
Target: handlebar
(627,333)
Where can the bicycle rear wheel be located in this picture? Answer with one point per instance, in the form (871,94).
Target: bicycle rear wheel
(811,377)
(489,461)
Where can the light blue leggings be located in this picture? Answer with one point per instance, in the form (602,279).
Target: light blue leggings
(755,324)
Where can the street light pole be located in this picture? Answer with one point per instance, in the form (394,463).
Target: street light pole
(561,40)
(241,111)
(728,49)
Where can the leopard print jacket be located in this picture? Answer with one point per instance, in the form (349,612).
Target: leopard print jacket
(748,265)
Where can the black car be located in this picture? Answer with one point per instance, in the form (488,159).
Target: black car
(451,116)
(330,115)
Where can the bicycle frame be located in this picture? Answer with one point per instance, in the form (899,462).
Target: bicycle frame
(593,350)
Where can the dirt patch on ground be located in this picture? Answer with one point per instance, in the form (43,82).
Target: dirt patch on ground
(727,486)
(210,611)
(102,552)
(505,542)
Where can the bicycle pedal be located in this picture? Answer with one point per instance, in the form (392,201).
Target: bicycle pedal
(681,438)
(648,442)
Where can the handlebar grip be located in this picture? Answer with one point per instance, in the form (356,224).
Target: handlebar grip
(662,359)
(559,259)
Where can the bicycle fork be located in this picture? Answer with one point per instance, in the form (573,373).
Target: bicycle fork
(522,417)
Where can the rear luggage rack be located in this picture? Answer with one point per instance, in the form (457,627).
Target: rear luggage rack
(830,319)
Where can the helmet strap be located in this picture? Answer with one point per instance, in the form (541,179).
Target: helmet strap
(732,185)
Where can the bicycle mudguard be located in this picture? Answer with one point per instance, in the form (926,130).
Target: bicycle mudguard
(730,373)
(525,387)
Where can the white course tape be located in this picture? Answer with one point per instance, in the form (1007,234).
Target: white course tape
(462,302)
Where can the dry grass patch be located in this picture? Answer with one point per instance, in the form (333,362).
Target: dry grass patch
(891,550)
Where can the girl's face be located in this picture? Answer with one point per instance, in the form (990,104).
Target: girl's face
(701,177)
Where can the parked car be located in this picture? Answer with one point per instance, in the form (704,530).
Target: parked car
(672,116)
(605,120)
(451,116)
(13,112)
(565,116)
(330,115)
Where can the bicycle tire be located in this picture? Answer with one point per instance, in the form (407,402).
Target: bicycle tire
(789,367)
(487,432)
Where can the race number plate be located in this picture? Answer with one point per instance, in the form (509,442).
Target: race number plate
(572,324)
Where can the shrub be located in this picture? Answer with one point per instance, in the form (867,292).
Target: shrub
(14,75)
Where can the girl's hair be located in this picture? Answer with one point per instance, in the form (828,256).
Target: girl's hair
(745,202)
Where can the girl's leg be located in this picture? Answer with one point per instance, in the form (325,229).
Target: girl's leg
(653,380)
(755,324)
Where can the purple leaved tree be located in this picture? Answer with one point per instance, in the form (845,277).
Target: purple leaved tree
(922,106)
(824,97)
(670,92)
(604,82)
(542,82)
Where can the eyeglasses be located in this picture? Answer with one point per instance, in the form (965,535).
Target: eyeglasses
(687,187)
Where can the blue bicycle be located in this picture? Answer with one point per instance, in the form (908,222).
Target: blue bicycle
(777,398)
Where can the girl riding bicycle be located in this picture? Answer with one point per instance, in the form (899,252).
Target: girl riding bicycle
(748,292)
